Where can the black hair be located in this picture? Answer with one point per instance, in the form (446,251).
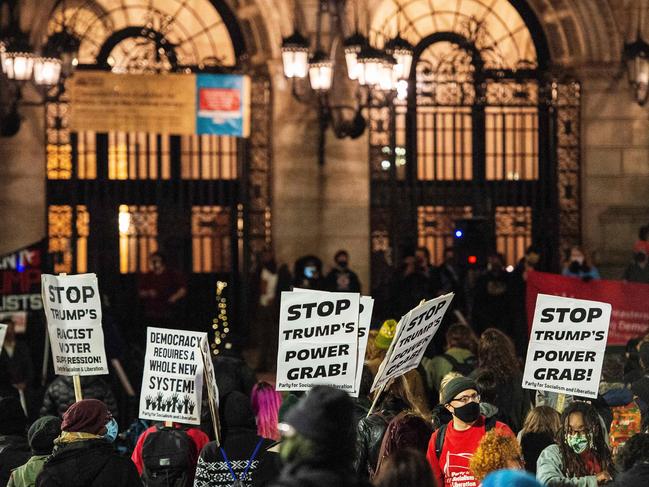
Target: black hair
(573,464)
(159,255)
(635,450)
(341,252)
(425,251)
(643,232)
(613,368)
(533,248)
(487,385)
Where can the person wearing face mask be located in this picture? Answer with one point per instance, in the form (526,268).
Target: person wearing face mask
(581,457)
(341,278)
(451,447)
(578,265)
(83,453)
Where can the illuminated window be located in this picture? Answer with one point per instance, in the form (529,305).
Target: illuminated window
(60,141)
(513,231)
(435,227)
(512,139)
(504,38)
(208,157)
(60,238)
(138,233)
(211,239)
(194,29)
(444,149)
(138,155)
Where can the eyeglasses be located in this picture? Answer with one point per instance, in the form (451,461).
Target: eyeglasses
(467,399)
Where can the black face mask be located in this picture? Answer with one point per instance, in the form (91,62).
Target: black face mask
(342,264)
(468,413)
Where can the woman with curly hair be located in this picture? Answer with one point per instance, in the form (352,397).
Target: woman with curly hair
(497,354)
(633,461)
(581,457)
(496,452)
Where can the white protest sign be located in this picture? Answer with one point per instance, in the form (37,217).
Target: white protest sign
(364,322)
(73,311)
(211,386)
(3,332)
(567,345)
(414,332)
(172,382)
(318,340)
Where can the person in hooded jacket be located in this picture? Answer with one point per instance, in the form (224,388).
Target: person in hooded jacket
(406,430)
(41,436)
(14,449)
(397,397)
(633,462)
(241,450)
(83,453)
(59,395)
(318,442)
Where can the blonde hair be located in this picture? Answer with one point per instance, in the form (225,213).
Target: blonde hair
(445,380)
(373,354)
(493,453)
(542,419)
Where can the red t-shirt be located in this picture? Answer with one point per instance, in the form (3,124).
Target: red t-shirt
(452,470)
(199,438)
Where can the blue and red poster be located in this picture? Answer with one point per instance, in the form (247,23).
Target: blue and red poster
(222,104)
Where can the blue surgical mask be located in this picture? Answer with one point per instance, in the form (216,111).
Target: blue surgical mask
(111,430)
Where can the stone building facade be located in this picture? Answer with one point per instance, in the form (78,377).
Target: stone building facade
(320,209)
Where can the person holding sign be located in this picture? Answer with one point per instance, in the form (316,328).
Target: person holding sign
(451,447)
(582,457)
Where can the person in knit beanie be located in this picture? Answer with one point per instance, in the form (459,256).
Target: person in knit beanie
(14,450)
(319,441)
(84,454)
(41,436)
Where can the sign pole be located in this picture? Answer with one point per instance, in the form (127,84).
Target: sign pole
(78,396)
(376,399)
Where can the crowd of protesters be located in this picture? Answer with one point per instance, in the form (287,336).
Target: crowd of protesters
(461,419)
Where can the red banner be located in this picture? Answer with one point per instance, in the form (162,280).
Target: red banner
(630,301)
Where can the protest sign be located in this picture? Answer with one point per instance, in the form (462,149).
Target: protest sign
(172,382)
(414,332)
(567,345)
(630,315)
(364,322)
(318,340)
(3,332)
(212,387)
(73,311)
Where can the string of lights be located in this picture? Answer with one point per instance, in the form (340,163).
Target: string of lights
(220,324)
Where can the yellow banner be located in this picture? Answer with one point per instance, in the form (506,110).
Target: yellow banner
(155,103)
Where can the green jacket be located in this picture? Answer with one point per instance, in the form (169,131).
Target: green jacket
(437,367)
(25,475)
(549,471)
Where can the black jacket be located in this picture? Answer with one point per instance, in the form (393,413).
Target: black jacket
(369,435)
(14,452)
(636,475)
(532,445)
(309,475)
(88,463)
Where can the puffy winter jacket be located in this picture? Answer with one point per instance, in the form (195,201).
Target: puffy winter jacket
(59,395)
(88,463)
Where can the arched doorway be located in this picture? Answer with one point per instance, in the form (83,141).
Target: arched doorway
(113,198)
(485,133)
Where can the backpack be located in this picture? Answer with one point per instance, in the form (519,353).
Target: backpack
(626,422)
(168,456)
(441,434)
(464,368)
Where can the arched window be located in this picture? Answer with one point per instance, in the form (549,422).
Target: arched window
(482,133)
(114,198)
